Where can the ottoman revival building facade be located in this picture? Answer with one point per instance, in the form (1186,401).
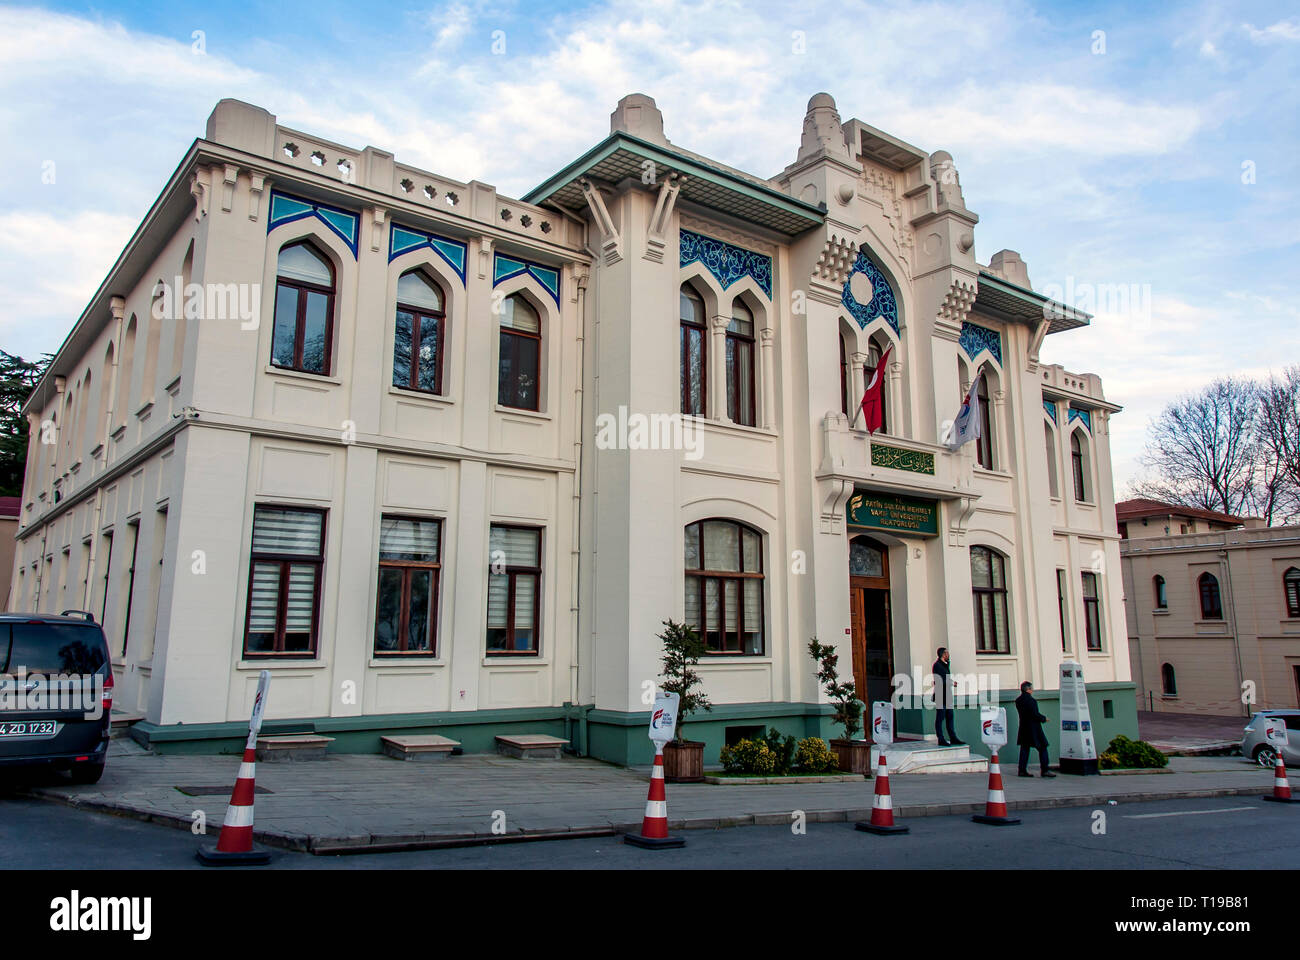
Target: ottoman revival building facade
(444,461)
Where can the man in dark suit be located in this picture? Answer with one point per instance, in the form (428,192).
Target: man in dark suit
(943,700)
(1031,731)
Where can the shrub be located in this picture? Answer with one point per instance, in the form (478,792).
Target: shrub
(814,755)
(782,748)
(682,651)
(1134,753)
(750,757)
(1108,761)
(848,708)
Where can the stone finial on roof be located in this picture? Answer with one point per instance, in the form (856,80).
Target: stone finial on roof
(1008,265)
(822,132)
(637,115)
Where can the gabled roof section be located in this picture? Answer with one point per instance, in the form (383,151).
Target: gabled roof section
(1010,301)
(708,184)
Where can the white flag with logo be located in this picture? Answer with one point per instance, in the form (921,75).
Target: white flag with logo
(966,426)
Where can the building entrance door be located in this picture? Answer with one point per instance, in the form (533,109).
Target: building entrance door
(873,647)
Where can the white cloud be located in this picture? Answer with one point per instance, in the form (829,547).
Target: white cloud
(1282,30)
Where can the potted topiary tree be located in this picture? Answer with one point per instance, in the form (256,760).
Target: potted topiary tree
(854,754)
(683,759)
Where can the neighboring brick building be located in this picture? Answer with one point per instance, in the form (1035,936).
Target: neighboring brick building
(1213,609)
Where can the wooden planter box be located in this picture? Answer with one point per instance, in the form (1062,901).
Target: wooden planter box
(855,755)
(684,762)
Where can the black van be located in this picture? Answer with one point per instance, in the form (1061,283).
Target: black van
(56,694)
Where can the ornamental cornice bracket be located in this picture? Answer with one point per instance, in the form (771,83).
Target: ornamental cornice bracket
(655,241)
(611,243)
(229,180)
(960,512)
(378,217)
(199,191)
(834,493)
(1036,343)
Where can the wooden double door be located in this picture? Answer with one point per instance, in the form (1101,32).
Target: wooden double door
(872,633)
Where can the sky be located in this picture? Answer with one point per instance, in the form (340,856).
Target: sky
(1144,148)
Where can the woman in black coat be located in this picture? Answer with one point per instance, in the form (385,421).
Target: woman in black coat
(1031,733)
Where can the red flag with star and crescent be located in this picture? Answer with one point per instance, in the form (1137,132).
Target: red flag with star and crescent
(873,401)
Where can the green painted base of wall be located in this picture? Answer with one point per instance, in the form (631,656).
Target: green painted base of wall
(620,738)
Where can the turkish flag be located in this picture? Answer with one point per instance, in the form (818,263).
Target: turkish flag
(873,406)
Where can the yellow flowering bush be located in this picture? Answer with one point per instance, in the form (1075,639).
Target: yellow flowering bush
(814,755)
(748,756)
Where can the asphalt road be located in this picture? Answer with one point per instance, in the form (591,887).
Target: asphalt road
(1232,833)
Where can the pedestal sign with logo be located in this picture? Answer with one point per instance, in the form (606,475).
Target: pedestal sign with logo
(1078,749)
(993,731)
(993,727)
(882,730)
(654,827)
(663,719)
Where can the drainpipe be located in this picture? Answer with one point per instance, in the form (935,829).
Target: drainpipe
(1232,610)
(576,553)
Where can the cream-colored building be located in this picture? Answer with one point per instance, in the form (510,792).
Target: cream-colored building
(444,461)
(1213,609)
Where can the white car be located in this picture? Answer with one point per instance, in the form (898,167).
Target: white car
(1254,746)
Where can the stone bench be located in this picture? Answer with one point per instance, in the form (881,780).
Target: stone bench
(423,748)
(530,746)
(292,747)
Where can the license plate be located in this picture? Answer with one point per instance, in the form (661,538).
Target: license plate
(29,728)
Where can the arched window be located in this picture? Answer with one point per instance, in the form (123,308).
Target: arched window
(1091,610)
(694,351)
(303,336)
(1211,604)
(105,385)
(419,336)
(178,311)
(724,586)
(988,580)
(152,341)
(1078,467)
(1291,587)
(1049,439)
(984,444)
(520,360)
(1168,682)
(1162,598)
(868,371)
(740,365)
(124,372)
(866,558)
(83,417)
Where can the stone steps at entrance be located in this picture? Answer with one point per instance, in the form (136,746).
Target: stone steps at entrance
(920,756)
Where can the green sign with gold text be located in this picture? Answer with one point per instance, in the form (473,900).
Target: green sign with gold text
(897,514)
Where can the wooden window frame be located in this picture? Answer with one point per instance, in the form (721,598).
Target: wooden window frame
(1168,681)
(1161,589)
(722,577)
(991,594)
(512,573)
(1204,583)
(517,346)
(286,560)
(408,567)
(1060,607)
(1091,612)
(984,444)
(418,316)
(844,377)
(301,288)
(1077,469)
(1289,594)
(687,328)
(736,342)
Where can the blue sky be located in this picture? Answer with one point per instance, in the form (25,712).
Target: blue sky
(1115,167)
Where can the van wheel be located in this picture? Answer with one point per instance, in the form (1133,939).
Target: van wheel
(87,773)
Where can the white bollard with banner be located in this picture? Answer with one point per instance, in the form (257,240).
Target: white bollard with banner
(993,731)
(882,730)
(654,825)
(1078,748)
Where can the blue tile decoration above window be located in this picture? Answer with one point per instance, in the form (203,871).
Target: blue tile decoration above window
(1050,407)
(285,208)
(503,268)
(1084,415)
(883,303)
(404,240)
(726,262)
(975,339)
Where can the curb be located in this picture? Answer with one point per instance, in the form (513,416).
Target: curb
(397,843)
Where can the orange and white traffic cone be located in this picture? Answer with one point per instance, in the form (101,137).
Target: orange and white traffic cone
(995,810)
(882,805)
(234,847)
(1281,786)
(654,827)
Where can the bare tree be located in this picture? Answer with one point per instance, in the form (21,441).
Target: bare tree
(1203,451)
(1277,430)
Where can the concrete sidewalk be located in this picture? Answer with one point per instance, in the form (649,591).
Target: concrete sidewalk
(355,802)
(1191,734)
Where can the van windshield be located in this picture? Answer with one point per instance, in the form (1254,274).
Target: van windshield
(51,648)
